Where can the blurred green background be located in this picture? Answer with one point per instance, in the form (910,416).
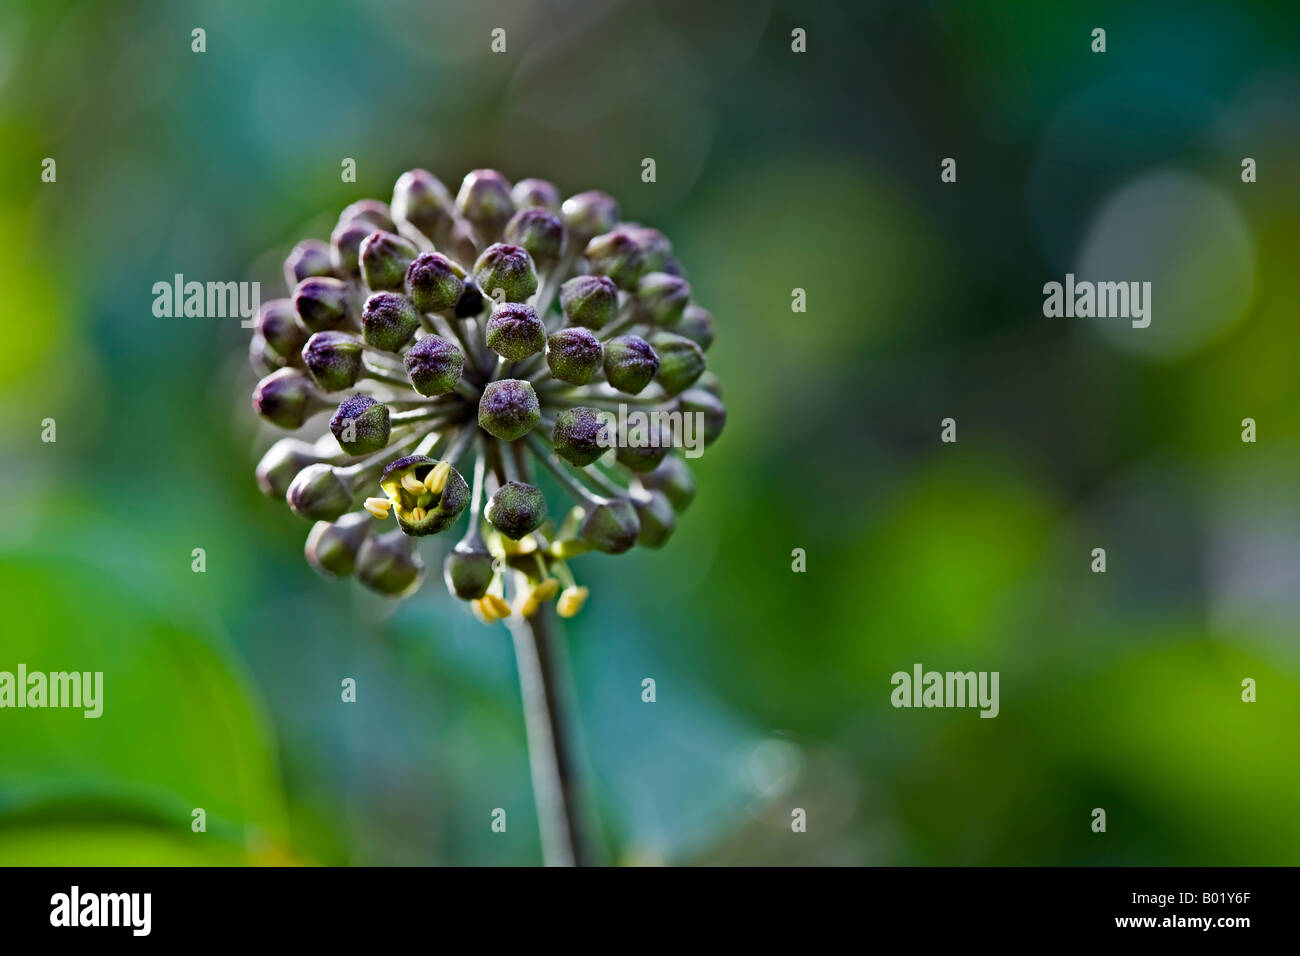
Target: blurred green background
(776,170)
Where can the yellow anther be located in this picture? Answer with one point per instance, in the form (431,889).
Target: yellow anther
(402,512)
(499,607)
(477,607)
(547,589)
(436,480)
(391,489)
(378,507)
(418,514)
(412,484)
(571,601)
(569,548)
(530,605)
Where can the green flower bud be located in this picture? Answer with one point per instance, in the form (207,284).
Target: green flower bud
(434,365)
(311,257)
(321,303)
(278,324)
(332,546)
(509,409)
(388,564)
(286,398)
(673,478)
(539,232)
(662,297)
(658,520)
(420,198)
(508,268)
(581,435)
(711,384)
(371,211)
(656,250)
(319,493)
(515,332)
(696,400)
(697,325)
(681,361)
(434,282)
(574,355)
(384,258)
(484,199)
(536,192)
(333,359)
(611,527)
(468,571)
(630,363)
(424,511)
(389,321)
(345,245)
(262,357)
(516,509)
(589,300)
(616,255)
(360,425)
(471,301)
(648,451)
(281,463)
(589,214)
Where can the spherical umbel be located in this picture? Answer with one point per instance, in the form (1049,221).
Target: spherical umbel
(581,435)
(360,425)
(589,300)
(508,409)
(384,259)
(434,282)
(630,363)
(516,509)
(574,355)
(434,365)
(389,321)
(505,273)
(321,303)
(515,332)
(333,359)
(468,570)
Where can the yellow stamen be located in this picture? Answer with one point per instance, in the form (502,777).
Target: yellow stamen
(498,605)
(569,549)
(412,484)
(547,589)
(378,507)
(529,605)
(477,607)
(571,601)
(436,480)
(418,514)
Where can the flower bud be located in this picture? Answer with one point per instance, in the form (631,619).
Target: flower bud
(662,297)
(277,323)
(311,257)
(509,409)
(656,250)
(333,359)
(434,365)
(321,303)
(673,478)
(508,268)
(515,332)
(657,517)
(536,192)
(384,258)
(360,425)
(698,400)
(286,398)
(281,463)
(434,282)
(319,493)
(616,255)
(711,384)
(574,355)
(345,245)
(648,451)
(371,211)
(539,232)
(589,214)
(332,547)
(611,527)
(471,301)
(697,325)
(468,571)
(419,508)
(516,509)
(630,363)
(681,361)
(263,359)
(388,321)
(389,564)
(484,199)
(581,435)
(420,198)
(589,300)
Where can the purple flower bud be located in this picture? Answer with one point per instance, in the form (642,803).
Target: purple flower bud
(360,425)
(321,303)
(345,246)
(516,509)
(509,409)
(573,355)
(697,325)
(581,435)
(539,232)
(662,297)
(611,527)
(319,493)
(681,361)
(536,192)
(281,463)
(371,211)
(420,198)
(388,321)
(434,282)
(515,332)
(589,300)
(616,255)
(278,324)
(332,546)
(385,257)
(589,214)
(508,269)
(484,199)
(434,365)
(656,250)
(311,257)
(262,357)
(630,363)
(286,398)
(333,359)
